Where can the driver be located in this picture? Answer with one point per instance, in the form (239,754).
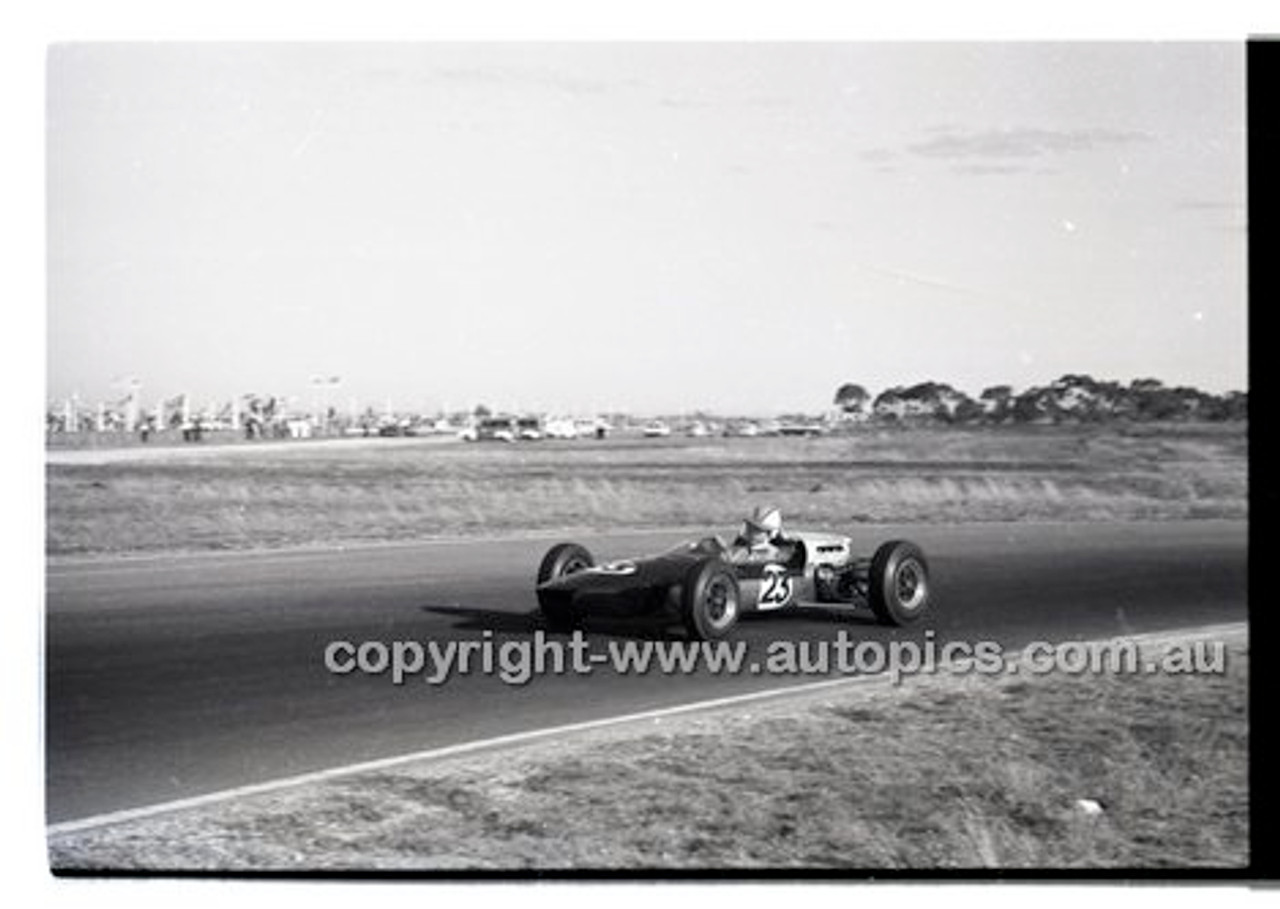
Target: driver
(761,537)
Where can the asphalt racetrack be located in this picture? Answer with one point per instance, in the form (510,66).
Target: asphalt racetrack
(174,676)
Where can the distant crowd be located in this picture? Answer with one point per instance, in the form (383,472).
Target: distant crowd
(1074,398)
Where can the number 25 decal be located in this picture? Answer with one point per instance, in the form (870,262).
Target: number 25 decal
(777,587)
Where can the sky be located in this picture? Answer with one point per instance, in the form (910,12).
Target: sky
(658,228)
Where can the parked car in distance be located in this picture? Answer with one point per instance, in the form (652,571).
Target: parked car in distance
(497,429)
(529,429)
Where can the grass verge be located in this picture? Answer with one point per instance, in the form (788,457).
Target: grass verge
(940,772)
(334,493)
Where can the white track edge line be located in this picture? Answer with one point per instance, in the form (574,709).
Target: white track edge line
(137,560)
(517,738)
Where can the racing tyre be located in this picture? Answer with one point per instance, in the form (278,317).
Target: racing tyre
(557,606)
(709,601)
(898,588)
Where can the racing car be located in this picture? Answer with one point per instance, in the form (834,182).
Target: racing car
(705,585)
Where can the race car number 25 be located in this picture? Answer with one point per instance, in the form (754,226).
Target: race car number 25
(776,589)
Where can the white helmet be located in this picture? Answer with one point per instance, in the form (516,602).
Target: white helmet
(762,524)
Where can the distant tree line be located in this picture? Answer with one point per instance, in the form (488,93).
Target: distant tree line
(1072,398)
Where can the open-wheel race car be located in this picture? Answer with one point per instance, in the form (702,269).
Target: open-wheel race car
(707,585)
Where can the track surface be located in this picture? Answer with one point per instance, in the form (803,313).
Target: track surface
(173,676)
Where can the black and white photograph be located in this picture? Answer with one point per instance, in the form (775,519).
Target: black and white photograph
(626,458)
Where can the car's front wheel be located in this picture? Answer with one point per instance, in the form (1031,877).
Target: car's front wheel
(710,600)
(557,605)
(898,585)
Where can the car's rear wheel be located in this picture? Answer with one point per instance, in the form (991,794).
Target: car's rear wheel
(898,585)
(710,601)
(557,605)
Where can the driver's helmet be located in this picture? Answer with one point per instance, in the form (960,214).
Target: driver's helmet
(762,525)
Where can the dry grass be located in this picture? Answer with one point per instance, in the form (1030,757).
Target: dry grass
(275,495)
(940,773)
